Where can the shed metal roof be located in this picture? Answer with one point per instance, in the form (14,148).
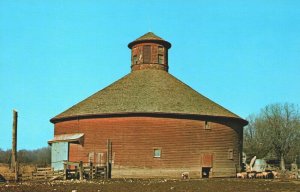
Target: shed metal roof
(75,137)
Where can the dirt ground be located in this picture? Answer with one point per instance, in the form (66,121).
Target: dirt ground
(145,185)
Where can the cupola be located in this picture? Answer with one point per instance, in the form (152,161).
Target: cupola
(149,52)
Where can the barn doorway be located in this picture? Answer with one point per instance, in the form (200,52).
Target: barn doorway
(206,165)
(205,172)
(59,154)
(60,148)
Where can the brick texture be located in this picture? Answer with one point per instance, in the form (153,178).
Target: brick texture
(156,50)
(183,143)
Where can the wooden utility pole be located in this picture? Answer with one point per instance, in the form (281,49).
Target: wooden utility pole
(14,159)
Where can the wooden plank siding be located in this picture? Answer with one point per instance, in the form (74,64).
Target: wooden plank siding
(148,56)
(182,143)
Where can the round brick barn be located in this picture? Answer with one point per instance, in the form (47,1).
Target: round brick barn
(158,126)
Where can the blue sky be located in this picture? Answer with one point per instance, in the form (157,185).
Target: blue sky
(53,54)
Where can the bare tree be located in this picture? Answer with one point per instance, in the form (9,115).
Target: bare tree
(40,157)
(275,130)
(256,141)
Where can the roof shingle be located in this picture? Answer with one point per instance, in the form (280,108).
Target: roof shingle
(149,37)
(147,91)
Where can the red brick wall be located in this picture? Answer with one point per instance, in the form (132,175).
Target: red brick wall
(183,143)
(137,50)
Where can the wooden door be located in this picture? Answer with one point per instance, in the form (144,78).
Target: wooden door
(59,154)
(207,160)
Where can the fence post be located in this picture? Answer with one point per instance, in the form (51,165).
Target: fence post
(80,170)
(65,171)
(91,170)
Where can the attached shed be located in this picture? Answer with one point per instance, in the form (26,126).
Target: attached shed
(159,126)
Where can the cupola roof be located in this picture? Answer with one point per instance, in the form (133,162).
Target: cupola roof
(150,37)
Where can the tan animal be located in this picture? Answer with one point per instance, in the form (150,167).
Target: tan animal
(265,174)
(242,175)
(251,175)
(185,175)
(293,176)
(239,175)
(259,175)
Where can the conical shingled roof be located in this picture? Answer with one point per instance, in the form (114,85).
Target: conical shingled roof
(147,91)
(149,37)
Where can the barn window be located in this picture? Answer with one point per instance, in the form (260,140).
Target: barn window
(160,59)
(230,154)
(207,125)
(134,59)
(160,49)
(147,53)
(157,153)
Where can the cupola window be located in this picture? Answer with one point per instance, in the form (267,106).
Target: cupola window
(134,59)
(160,49)
(147,53)
(160,59)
